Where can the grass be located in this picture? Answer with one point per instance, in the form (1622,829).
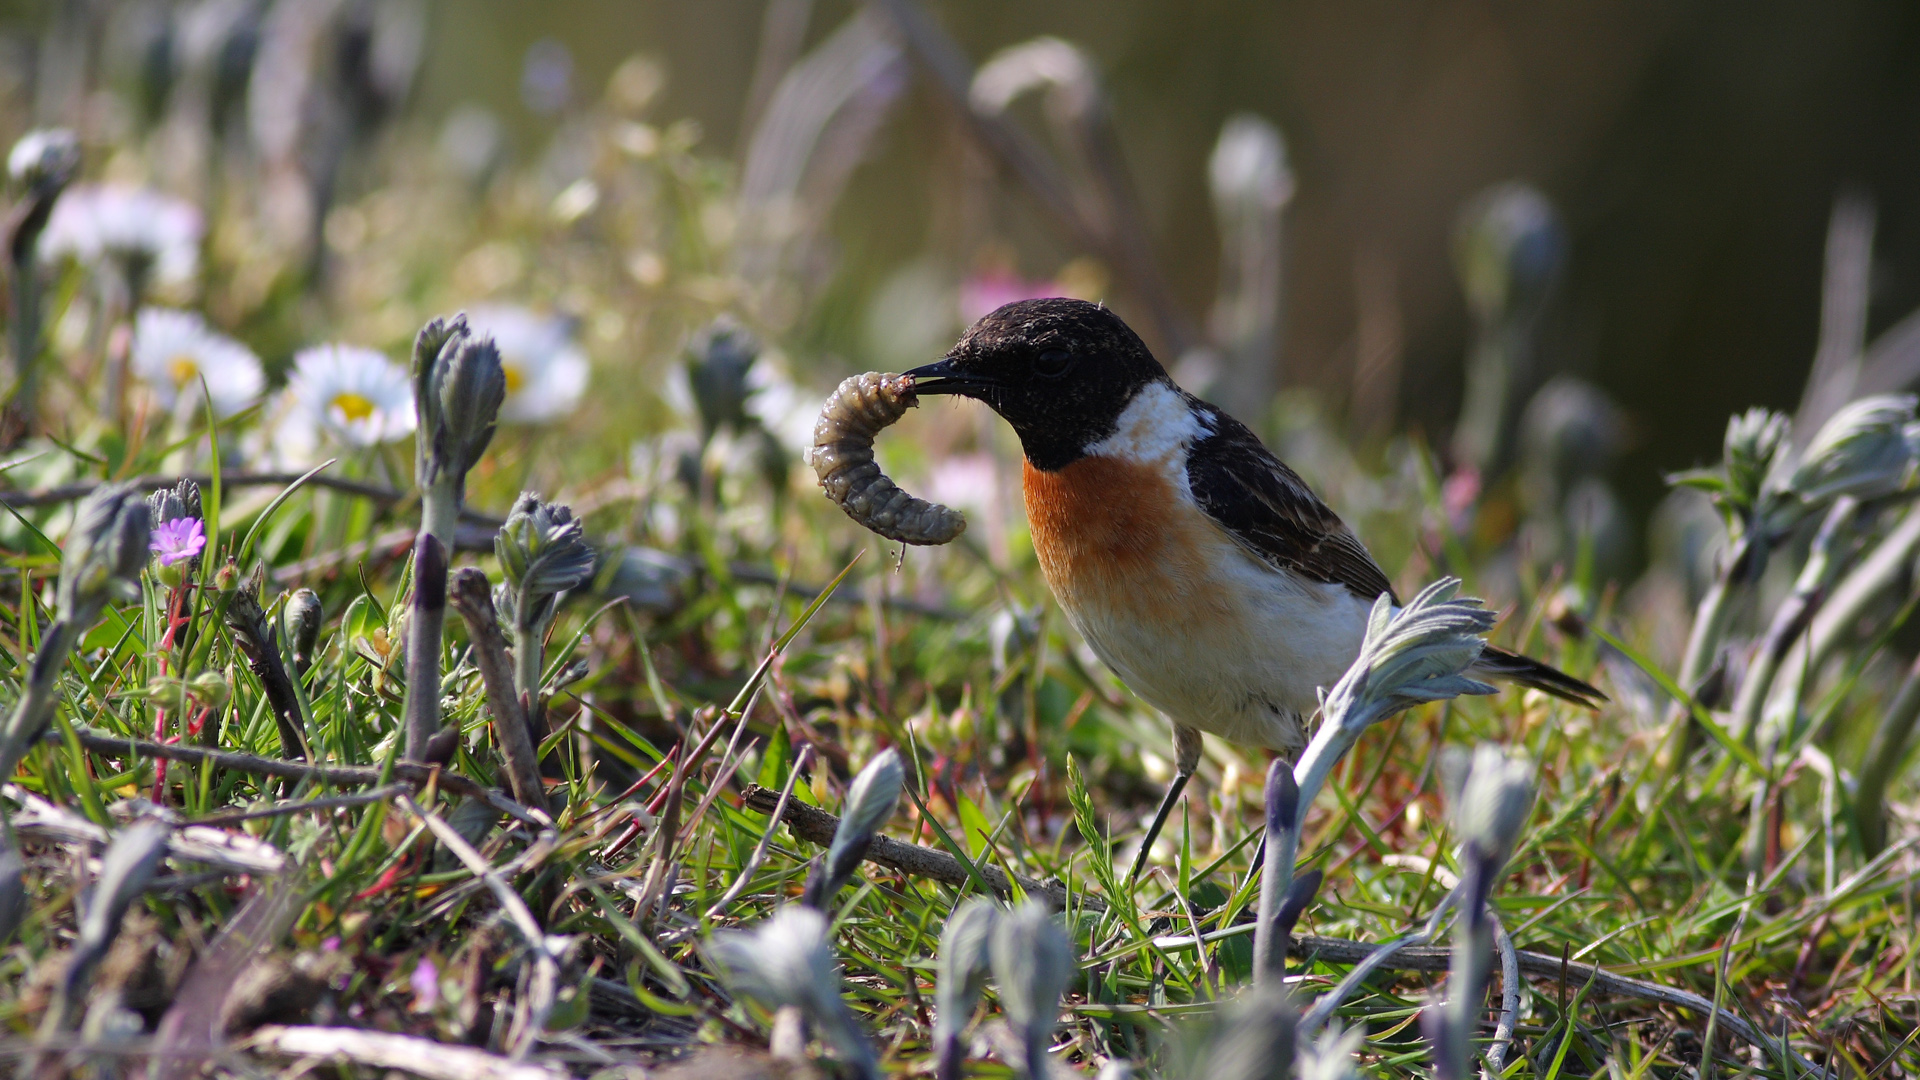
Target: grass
(768,630)
(1629,861)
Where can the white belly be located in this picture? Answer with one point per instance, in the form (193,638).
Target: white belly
(1252,677)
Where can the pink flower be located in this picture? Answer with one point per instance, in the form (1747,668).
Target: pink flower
(968,481)
(425,982)
(1458,495)
(178,540)
(991,290)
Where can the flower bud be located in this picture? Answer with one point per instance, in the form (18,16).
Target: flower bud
(170,575)
(210,688)
(1331,1057)
(247,619)
(718,360)
(503,605)
(1865,450)
(788,961)
(1248,172)
(1491,804)
(1507,249)
(871,799)
(1282,798)
(543,552)
(105,552)
(167,692)
(458,388)
(1010,632)
(1754,443)
(785,961)
(304,618)
(1033,964)
(171,504)
(44,160)
(1417,654)
(128,864)
(1252,1038)
(427,345)
(960,974)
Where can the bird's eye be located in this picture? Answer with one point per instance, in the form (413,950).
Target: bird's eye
(1053,363)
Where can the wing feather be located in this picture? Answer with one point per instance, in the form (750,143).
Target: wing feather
(1273,514)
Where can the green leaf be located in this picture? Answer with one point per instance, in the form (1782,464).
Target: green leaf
(975,829)
(363,617)
(112,630)
(778,759)
(1711,480)
(1705,719)
(266,515)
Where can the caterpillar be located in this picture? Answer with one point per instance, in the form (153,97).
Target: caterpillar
(842,456)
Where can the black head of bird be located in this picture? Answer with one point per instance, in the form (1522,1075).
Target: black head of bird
(1059,371)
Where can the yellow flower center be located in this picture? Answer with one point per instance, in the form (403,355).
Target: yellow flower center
(351,405)
(515,379)
(182,370)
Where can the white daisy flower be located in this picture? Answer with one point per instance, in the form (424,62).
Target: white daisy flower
(546,370)
(96,221)
(174,350)
(344,395)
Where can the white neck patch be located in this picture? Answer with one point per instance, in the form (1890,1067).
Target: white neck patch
(1156,425)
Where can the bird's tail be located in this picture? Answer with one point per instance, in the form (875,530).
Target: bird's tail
(1501,664)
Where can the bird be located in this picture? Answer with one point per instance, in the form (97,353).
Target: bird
(1198,567)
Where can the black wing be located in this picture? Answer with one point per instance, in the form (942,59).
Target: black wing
(1268,508)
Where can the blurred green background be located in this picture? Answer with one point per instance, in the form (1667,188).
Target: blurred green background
(1694,151)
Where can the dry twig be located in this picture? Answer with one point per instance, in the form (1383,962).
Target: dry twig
(335,775)
(474,601)
(236,853)
(379,1050)
(817,826)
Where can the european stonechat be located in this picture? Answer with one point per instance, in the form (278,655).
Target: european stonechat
(1196,564)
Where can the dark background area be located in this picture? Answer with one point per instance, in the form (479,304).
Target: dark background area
(1694,150)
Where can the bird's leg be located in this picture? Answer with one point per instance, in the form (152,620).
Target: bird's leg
(1186,758)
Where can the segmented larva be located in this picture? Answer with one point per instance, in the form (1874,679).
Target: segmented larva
(843,457)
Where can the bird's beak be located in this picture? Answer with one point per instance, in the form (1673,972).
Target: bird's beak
(945,378)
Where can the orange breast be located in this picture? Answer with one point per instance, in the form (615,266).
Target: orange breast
(1118,539)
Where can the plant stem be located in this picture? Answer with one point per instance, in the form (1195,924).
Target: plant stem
(440,503)
(26,341)
(258,641)
(41,694)
(423,643)
(1282,799)
(23,251)
(1467,978)
(1885,751)
(472,599)
(1878,572)
(1509,996)
(1793,614)
(1711,619)
(529,664)
(1275,880)
(1329,745)
(134,269)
